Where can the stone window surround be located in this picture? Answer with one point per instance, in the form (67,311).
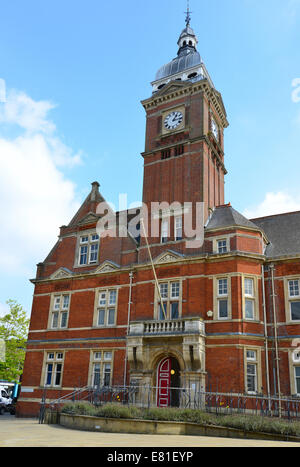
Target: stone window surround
(98,291)
(217,297)
(55,361)
(85,233)
(216,241)
(257,363)
(169,281)
(254,298)
(289,299)
(101,361)
(60,311)
(292,372)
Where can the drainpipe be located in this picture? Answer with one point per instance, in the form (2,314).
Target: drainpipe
(276,338)
(266,335)
(128,323)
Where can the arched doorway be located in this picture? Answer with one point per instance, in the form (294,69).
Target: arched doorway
(168,383)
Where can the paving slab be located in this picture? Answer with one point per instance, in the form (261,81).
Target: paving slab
(24,432)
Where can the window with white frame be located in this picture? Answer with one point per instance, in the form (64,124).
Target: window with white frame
(164,230)
(294,299)
(60,311)
(222,298)
(249,298)
(101,368)
(170,293)
(107,307)
(88,249)
(251,371)
(54,369)
(178,228)
(297,379)
(222,246)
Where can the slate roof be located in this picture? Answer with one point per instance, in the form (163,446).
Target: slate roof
(283,233)
(226,216)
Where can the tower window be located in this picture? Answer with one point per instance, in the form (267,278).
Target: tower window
(166,154)
(192,75)
(178,150)
(178,228)
(164,230)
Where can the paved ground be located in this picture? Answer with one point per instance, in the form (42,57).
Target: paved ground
(20,432)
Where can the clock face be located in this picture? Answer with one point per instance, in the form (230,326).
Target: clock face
(173,120)
(214,128)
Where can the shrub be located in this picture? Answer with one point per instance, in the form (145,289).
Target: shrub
(78,408)
(118,411)
(242,422)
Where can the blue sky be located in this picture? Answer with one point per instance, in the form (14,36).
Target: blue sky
(74,74)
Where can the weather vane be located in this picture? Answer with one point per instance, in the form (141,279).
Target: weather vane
(188,14)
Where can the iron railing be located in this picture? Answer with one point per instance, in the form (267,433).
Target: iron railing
(188,397)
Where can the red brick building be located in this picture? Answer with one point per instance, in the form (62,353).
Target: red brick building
(222,314)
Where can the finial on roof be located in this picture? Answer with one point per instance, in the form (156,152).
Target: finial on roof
(188,14)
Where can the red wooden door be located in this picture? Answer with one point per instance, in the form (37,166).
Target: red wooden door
(163,382)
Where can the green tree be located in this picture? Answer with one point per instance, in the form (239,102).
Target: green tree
(13,331)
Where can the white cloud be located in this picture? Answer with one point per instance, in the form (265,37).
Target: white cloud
(274,203)
(35,196)
(30,115)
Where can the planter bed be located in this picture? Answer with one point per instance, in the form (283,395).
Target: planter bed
(137,426)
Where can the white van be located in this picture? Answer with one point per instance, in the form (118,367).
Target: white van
(4,397)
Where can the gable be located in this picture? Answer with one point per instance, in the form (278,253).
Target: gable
(61,273)
(107,267)
(90,218)
(168,256)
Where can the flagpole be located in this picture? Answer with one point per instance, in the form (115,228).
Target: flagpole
(154,272)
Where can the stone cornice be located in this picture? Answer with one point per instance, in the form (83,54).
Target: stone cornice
(205,257)
(176,92)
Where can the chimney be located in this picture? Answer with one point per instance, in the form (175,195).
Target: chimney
(95,191)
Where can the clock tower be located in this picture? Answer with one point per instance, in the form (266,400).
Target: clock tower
(184,148)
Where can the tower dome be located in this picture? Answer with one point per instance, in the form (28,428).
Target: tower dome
(187,66)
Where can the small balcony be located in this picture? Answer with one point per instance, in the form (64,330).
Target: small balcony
(167,327)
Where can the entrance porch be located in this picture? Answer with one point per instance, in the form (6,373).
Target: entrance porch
(169,357)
